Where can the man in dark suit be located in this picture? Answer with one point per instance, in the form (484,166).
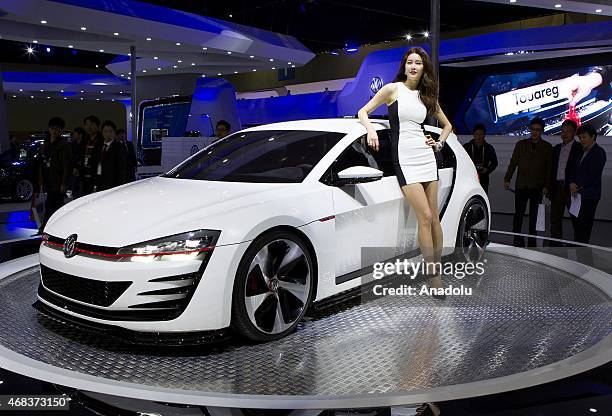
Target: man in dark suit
(566,156)
(587,182)
(482,154)
(111,161)
(132,163)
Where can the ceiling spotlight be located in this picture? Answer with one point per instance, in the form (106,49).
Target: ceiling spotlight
(229,52)
(288,63)
(292,66)
(219,74)
(82,92)
(97,66)
(101,92)
(83,28)
(426,34)
(116,34)
(14,96)
(230,16)
(120,92)
(144,70)
(193,64)
(129,54)
(592,410)
(203,75)
(155,57)
(273,67)
(101,50)
(254,70)
(158,68)
(65,98)
(20,90)
(512,1)
(251,56)
(408,36)
(97,99)
(81,98)
(178,43)
(557,6)
(48,98)
(34,41)
(44,22)
(271,60)
(123,75)
(61,90)
(148,39)
(235,72)
(48,50)
(42,90)
(598,11)
(179,61)
(174,66)
(205,48)
(71,46)
(112,99)
(31,96)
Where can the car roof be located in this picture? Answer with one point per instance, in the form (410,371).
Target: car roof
(339,125)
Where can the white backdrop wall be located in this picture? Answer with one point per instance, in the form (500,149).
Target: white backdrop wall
(502,201)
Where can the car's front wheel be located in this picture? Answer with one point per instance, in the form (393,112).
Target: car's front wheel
(273,287)
(24,190)
(473,232)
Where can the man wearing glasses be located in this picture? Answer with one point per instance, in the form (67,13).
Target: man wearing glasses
(533,158)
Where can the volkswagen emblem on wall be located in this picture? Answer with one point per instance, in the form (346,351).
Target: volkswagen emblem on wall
(194,149)
(70,246)
(376,84)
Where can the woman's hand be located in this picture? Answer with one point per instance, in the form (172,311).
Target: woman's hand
(429,141)
(373,140)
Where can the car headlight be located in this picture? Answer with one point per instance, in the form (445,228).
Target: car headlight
(193,245)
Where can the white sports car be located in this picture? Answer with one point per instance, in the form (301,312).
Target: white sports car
(248,232)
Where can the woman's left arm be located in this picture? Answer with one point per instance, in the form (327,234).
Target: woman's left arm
(447,127)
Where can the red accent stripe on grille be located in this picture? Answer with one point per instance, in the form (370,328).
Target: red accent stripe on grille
(117,256)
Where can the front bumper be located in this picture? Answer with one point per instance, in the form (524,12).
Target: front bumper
(208,306)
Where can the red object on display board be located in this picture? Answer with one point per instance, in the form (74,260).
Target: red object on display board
(572,114)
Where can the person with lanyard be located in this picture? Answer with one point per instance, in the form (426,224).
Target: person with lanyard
(482,154)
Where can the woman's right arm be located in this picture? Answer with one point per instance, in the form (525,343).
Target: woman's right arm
(384,95)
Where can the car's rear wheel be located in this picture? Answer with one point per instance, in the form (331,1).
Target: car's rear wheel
(24,190)
(273,287)
(473,232)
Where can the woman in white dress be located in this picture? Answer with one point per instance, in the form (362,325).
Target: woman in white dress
(410,98)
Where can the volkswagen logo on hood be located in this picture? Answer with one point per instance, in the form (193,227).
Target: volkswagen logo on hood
(70,246)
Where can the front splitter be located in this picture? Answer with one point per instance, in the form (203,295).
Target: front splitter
(533,318)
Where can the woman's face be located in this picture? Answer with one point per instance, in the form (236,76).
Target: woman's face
(108,133)
(414,67)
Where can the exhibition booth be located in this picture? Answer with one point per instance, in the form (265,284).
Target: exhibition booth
(279,269)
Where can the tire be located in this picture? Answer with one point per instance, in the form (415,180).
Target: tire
(269,298)
(24,190)
(473,231)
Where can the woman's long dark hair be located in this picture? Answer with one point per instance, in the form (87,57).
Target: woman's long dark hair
(428,87)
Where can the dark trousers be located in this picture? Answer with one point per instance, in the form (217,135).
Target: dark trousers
(560,201)
(583,224)
(484,182)
(521,198)
(55,200)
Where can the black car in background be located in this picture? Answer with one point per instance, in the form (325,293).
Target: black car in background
(19,170)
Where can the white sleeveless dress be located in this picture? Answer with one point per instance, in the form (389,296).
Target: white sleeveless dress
(413,160)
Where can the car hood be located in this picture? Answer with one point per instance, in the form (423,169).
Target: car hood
(154,208)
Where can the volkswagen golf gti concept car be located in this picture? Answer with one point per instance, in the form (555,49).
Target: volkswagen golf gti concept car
(247,233)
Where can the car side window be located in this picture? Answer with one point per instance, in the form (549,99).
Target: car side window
(357,154)
(383,155)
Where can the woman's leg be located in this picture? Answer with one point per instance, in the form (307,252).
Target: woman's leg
(417,198)
(431,190)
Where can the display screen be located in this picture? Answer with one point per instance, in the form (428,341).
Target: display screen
(505,103)
(160,120)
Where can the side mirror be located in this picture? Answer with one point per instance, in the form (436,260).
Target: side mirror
(357,174)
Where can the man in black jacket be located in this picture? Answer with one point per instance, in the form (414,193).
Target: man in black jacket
(566,156)
(111,161)
(132,163)
(482,154)
(56,168)
(586,181)
(91,150)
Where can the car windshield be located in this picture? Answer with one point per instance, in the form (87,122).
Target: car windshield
(284,156)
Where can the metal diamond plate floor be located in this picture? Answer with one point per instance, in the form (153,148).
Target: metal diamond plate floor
(522,316)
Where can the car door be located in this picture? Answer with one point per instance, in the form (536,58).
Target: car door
(372,214)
